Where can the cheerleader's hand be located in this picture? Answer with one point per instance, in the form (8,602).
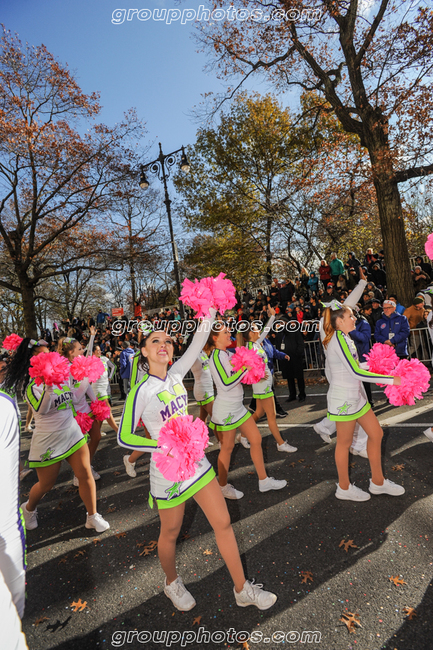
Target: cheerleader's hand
(397,381)
(266,375)
(92,330)
(361,273)
(271,311)
(287,358)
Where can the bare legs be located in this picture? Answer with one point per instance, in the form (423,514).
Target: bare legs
(47,476)
(267,406)
(213,505)
(371,426)
(205,410)
(250,431)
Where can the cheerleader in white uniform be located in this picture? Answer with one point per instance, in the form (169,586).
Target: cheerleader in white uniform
(325,428)
(102,386)
(347,404)
(159,397)
(203,385)
(262,391)
(138,371)
(12,531)
(70,348)
(229,414)
(57,436)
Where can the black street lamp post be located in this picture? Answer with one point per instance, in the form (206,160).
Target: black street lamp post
(161,168)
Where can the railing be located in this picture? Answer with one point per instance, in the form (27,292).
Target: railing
(419,347)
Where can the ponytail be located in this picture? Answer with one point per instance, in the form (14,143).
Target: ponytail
(330,317)
(66,345)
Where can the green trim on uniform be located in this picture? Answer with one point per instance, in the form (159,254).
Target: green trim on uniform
(353,416)
(125,435)
(32,400)
(23,524)
(263,395)
(225,378)
(52,461)
(206,401)
(354,363)
(193,489)
(134,370)
(229,427)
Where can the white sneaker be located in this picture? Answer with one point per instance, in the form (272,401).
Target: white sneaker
(362,453)
(97,522)
(270,483)
(325,436)
(130,467)
(95,474)
(30,518)
(242,440)
(429,433)
(353,493)
(75,481)
(253,594)
(29,429)
(388,487)
(286,447)
(179,595)
(229,492)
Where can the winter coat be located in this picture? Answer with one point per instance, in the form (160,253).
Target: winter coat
(396,324)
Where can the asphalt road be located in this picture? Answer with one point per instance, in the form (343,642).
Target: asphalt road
(281,535)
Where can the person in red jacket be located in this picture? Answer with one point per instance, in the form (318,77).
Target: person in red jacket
(324,273)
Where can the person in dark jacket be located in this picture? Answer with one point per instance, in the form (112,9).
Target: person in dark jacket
(291,342)
(361,336)
(376,312)
(353,262)
(393,329)
(425,266)
(377,275)
(125,362)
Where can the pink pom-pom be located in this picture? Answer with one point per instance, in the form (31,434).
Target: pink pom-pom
(95,369)
(185,440)
(244,357)
(223,291)
(49,369)
(100,409)
(78,368)
(12,342)
(415,380)
(429,246)
(197,296)
(85,421)
(382,359)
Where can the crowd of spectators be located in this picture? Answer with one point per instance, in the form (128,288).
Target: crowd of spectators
(381,317)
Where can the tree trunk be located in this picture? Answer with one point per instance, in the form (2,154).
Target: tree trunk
(268,250)
(28,298)
(398,272)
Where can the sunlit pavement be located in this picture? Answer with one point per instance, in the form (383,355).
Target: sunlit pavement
(282,536)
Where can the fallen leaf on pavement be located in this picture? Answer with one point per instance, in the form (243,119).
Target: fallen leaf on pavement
(79,606)
(410,612)
(397,581)
(351,621)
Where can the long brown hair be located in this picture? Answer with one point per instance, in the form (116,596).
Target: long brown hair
(330,317)
(66,345)
(216,328)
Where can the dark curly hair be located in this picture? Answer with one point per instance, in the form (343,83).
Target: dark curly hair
(17,367)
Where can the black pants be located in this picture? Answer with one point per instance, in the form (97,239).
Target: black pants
(367,387)
(292,386)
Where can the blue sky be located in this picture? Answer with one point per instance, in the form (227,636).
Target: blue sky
(150,65)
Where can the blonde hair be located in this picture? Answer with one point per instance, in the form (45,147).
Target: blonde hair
(330,317)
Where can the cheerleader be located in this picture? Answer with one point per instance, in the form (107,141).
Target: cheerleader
(138,371)
(262,391)
(160,396)
(70,348)
(12,532)
(102,386)
(56,437)
(203,385)
(348,404)
(229,414)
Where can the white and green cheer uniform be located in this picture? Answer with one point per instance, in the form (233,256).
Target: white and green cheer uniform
(263,388)
(102,386)
(346,396)
(156,401)
(80,391)
(57,434)
(137,372)
(12,528)
(228,410)
(203,384)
